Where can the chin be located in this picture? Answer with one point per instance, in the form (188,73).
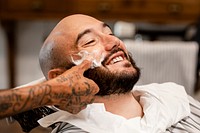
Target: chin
(117,78)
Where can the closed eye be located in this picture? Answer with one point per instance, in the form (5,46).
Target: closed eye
(89,42)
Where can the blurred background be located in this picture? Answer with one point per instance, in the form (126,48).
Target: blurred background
(163,37)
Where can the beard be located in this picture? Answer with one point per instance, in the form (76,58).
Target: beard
(114,83)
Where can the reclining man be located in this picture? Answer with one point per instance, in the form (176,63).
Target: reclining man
(118,106)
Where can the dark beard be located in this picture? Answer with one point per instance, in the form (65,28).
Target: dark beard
(114,83)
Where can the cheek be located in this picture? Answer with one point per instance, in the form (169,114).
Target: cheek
(94,54)
(97,52)
(98,57)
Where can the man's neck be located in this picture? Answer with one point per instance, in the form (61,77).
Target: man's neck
(121,104)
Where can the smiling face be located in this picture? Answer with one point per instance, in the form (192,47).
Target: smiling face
(83,33)
(91,35)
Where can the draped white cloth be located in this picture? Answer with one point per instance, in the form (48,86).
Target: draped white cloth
(162,107)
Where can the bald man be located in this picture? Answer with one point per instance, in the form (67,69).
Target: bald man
(118,106)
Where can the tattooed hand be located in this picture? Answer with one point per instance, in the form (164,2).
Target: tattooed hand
(74,91)
(70,91)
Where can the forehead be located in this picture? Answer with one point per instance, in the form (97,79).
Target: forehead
(77,24)
(73,25)
(70,27)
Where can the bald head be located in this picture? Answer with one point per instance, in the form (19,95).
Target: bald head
(62,42)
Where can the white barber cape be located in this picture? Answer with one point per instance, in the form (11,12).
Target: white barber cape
(163,105)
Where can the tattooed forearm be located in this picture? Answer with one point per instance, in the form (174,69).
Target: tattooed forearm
(70,91)
(38,95)
(16,101)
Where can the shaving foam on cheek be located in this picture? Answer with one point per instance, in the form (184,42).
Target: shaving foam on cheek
(96,57)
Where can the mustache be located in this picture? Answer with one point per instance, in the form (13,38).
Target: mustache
(114,50)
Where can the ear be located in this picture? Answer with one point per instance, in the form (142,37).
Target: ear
(55,72)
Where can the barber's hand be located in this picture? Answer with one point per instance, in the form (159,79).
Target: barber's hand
(74,91)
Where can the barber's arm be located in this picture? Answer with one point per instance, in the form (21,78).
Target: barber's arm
(70,91)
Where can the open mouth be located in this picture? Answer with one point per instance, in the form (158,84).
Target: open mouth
(115,58)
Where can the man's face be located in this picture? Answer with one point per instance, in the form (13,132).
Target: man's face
(118,72)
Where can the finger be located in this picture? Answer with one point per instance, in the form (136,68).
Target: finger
(91,100)
(76,110)
(85,65)
(84,107)
(94,87)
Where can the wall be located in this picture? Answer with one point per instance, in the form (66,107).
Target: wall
(3,61)
(30,35)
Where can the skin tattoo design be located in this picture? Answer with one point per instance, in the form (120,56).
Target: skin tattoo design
(76,93)
(70,91)
(15,101)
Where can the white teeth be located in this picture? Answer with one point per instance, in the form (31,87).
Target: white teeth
(116,59)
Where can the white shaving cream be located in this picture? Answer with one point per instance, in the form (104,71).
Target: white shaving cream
(95,56)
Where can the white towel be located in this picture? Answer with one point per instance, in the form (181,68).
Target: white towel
(163,105)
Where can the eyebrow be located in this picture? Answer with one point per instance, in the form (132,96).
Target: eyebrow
(80,35)
(106,25)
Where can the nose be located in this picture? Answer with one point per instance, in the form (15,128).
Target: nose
(110,42)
